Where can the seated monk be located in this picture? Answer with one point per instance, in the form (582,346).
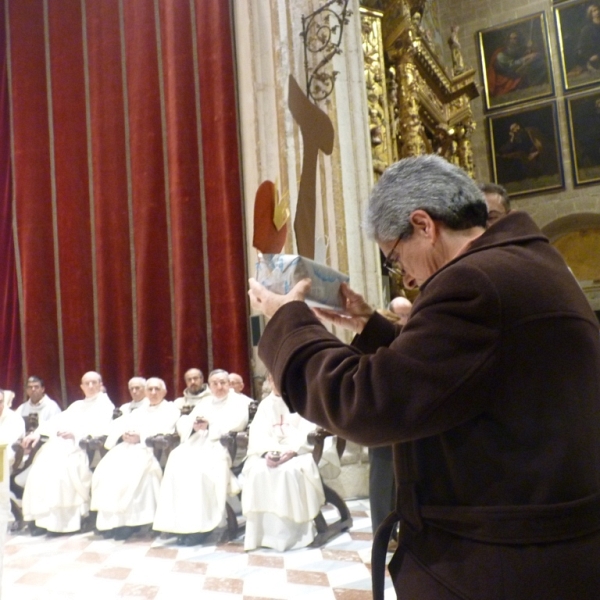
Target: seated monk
(12,428)
(57,492)
(236,383)
(195,390)
(38,403)
(38,409)
(137,391)
(197,476)
(126,481)
(282,488)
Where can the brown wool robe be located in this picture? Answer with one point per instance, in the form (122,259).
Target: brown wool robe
(491,396)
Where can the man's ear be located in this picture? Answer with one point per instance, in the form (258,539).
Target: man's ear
(423,224)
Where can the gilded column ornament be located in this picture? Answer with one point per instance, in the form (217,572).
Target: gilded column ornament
(458,64)
(377,98)
(394,112)
(465,148)
(411,128)
(444,143)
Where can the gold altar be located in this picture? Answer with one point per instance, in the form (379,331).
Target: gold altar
(415,105)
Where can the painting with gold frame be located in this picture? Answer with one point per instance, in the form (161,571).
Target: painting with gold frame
(515,61)
(525,150)
(578,30)
(583,117)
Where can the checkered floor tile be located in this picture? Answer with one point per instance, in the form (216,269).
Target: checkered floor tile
(86,566)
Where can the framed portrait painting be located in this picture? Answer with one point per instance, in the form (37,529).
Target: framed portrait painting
(578,30)
(515,60)
(583,117)
(525,149)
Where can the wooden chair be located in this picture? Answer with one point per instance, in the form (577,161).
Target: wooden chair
(90,444)
(93,444)
(21,463)
(161,445)
(236,444)
(325,530)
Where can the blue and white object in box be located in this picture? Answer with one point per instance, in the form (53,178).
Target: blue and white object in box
(281,272)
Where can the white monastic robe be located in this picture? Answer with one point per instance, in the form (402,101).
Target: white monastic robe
(191,400)
(45,409)
(12,428)
(126,481)
(129,407)
(245,398)
(280,503)
(197,476)
(57,492)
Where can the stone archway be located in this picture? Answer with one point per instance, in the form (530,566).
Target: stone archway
(577,238)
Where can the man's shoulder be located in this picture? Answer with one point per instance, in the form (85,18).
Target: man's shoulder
(12,414)
(47,401)
(244,398)
(169,406)
(237,401)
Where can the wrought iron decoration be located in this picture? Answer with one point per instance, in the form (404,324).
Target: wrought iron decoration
(322,34)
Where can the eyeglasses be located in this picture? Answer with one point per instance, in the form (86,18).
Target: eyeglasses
(389,262)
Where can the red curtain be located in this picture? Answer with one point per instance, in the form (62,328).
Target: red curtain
(10,340)
(129,220)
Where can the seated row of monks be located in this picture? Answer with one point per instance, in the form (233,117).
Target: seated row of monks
(127,489)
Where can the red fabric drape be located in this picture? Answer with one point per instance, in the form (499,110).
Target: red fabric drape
(127,190)
(217,84)
(185,175)
(114,261)
(33,192)
(10,341)
(70,196)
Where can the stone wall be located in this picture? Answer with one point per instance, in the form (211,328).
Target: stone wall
(474,15)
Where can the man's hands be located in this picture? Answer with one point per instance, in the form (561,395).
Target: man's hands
(266,302)
(30,440)
(354,317)
(130,437)
(200,424)
(274,459)
(356,311)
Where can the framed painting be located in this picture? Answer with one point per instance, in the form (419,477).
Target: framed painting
(515,62)
(583,117)
(578,30)
(525,150)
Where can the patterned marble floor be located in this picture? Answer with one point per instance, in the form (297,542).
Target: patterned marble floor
(88,567)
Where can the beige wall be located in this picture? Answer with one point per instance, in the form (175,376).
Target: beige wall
(268,50)
(473,15)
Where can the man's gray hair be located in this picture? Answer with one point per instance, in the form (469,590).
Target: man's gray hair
(430,183)
(218,372)
(156,381)
(494,188)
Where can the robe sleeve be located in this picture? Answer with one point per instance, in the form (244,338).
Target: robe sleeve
(117,428)
(419,384)
(261,437)
(233,418)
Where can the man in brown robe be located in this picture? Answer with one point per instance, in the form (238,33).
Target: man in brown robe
(490,394)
